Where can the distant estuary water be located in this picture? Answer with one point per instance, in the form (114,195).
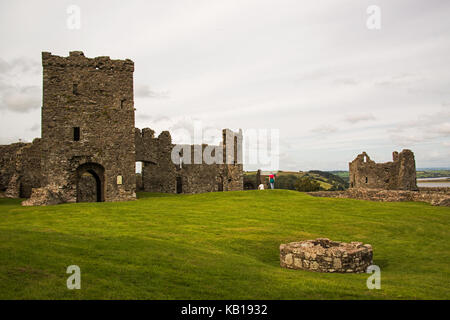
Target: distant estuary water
(434,182)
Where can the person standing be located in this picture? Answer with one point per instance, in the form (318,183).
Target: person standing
(272,181)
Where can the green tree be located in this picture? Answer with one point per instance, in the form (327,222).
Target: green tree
(306,184)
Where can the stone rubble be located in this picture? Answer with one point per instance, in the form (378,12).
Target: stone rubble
(435,198)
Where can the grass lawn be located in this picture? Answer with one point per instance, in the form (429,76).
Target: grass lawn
(218,246)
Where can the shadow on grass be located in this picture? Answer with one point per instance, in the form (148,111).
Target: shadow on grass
(382,263)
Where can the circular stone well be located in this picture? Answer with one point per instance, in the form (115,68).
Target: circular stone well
(324,255)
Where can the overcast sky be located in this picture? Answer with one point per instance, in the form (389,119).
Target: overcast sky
(311,69)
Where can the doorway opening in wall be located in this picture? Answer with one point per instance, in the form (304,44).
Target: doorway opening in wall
(367,180)
(90,183)
(139,167)
(139,176)
(179,185)
(220,184)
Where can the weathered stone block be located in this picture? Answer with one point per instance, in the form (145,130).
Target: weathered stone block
(357,256)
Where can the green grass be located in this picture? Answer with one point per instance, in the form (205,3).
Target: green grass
(218,246)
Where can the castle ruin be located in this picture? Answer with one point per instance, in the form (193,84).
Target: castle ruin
(89,144)
(399,174)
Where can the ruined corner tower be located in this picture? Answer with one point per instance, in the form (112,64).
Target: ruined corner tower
(233,160)
(88,150)
(399,174)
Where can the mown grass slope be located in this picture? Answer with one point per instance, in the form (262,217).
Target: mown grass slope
(218,246)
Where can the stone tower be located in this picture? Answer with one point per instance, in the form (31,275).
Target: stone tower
(88,150)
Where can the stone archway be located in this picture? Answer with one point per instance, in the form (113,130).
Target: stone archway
(90,183)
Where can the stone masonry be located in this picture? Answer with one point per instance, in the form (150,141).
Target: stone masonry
(89,145)
(88,126)
(160,174)
(400,174)
(437,197)
(20,168)
(324,255)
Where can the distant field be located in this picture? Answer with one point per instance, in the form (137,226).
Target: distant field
(218,246)
(428,173)
(433,174)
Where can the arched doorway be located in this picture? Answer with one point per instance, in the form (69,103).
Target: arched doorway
(90,183)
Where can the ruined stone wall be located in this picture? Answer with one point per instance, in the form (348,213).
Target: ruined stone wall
(233,168)
(444,190)
(96,96)
(436,198)
(20,169)
(160,174)
(8,159)
(400,174)
(28,167)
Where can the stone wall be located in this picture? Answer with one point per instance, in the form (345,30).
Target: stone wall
(8,159)
(89,144)
(160,174)
(445,190)
(88,117)
(20,168)
(323,255)
(432,197)
(400,174)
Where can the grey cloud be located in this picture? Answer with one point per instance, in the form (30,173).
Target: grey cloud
(345,81)
(20,99)
(143,91)
(404,79)
(405,139)
(324,129)
(427,127)
(358,117)
(443,129)
(35,127)
(19,65)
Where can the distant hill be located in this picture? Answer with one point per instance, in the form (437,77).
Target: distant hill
(287,179)
(342,174)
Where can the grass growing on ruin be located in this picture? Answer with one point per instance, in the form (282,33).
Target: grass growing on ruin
(218,246)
